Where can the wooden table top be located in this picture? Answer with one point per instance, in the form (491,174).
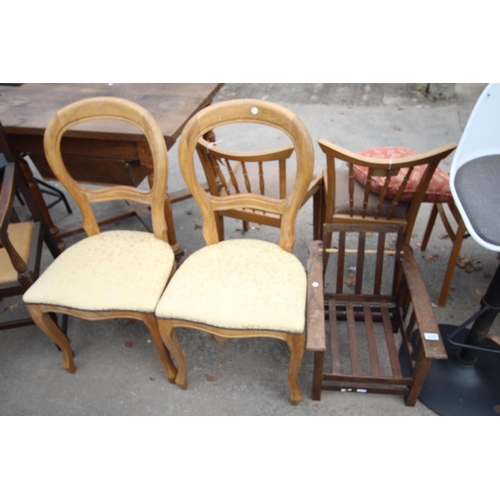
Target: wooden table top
(28,109)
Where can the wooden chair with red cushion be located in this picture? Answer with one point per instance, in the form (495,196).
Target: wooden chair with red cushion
(438,193)
(386,184)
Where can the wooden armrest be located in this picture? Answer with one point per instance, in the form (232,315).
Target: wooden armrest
(422,307)
(315,314)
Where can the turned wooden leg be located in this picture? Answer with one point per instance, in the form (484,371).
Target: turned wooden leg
(319,363)
(50,328)
(296,345)
(430,225)
(170,339)
(168,366)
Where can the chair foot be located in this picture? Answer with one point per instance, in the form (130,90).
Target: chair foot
(168,366)
(296,344)
(50,328)
(170,339)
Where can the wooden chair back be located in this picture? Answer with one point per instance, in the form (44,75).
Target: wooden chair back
(363,253)
(233,172)
(361,206)
(103,108)
(212,205)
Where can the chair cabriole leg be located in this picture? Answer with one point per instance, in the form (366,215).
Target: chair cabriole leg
(170,339)
(50,328)
(168,366)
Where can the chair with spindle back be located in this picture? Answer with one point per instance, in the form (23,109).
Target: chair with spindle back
(376,291)
(261,172)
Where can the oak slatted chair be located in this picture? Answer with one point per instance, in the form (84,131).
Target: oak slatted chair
(438,192)
(241,288)
(349,200)
(113,274)
(353,314)
(263,172)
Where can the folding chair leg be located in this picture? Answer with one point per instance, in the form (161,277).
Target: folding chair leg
(452,263)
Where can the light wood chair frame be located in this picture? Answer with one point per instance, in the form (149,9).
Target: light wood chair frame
(212,207)
(406,309)
(70,116)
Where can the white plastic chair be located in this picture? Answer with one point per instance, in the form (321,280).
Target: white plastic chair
(481,139)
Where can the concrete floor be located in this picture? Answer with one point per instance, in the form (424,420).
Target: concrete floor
(245,377)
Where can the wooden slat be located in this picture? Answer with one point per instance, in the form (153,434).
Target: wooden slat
(379,266)
(282,167)
(372,345)
(262,184)
(351,189)
(245,176)
(334,338)
(234,182)
(340,263)
(376,389)
(364,379)
(391,345)
(353,341)
(366,194)
(400,192)
(360,262)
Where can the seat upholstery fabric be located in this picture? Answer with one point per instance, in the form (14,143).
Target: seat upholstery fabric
(20,235)
(438,190)
(258,286)
(113,270)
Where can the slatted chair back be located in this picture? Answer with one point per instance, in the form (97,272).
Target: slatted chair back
(360,202)
(104,108)
(239,188)
(367,258)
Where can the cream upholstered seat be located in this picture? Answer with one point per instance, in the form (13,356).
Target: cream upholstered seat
(114,270)
(114,274)
(263,287)
(241,288)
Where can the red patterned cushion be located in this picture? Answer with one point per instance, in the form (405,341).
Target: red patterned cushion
(438,190)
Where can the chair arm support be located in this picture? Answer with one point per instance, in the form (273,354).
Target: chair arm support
(315,314)
(422,307)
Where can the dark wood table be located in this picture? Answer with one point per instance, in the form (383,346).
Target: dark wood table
(102,151)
